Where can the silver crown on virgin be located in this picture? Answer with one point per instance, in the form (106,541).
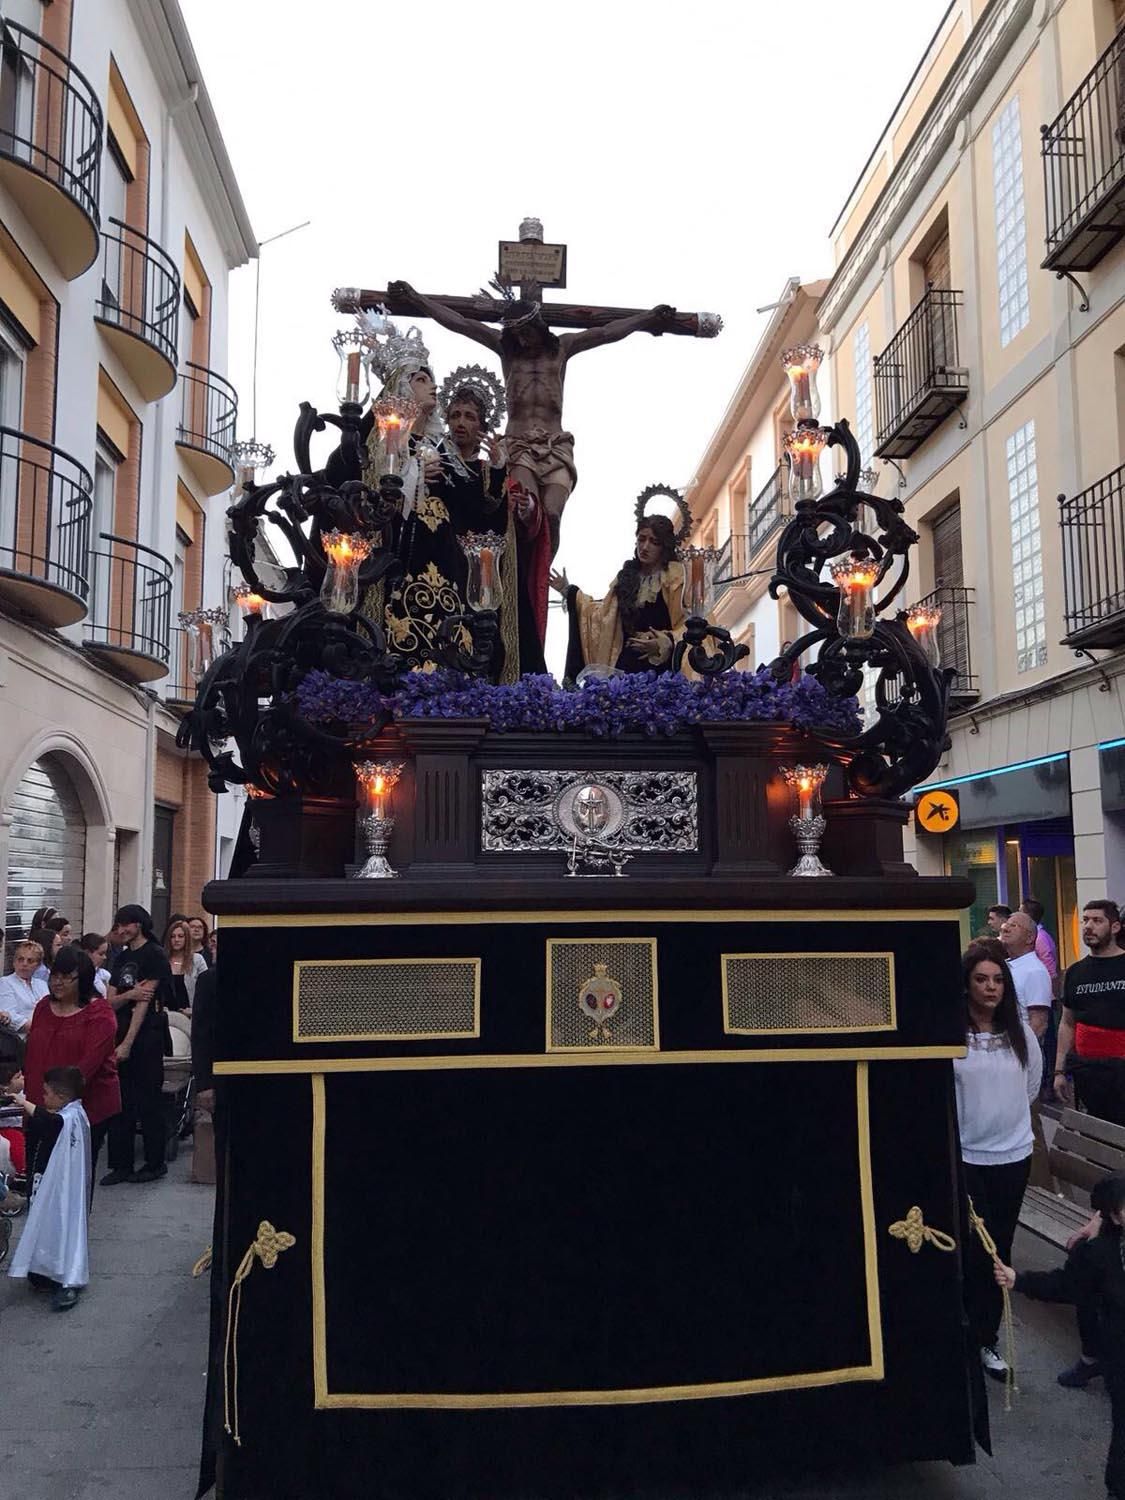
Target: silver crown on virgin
(389,352)
(484,385)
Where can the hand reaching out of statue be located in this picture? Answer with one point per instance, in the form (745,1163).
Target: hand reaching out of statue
(662,314)
(558,581)
(495,451)
(431,468)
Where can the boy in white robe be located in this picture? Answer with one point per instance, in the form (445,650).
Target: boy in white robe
(52,1250)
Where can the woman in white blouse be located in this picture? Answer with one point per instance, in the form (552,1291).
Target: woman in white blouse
(996,1082)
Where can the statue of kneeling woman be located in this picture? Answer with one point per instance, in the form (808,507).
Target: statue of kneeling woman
(636,626)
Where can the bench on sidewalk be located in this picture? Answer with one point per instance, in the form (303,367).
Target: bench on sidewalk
(1083,1151)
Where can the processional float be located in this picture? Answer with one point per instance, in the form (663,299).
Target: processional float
(576,1158)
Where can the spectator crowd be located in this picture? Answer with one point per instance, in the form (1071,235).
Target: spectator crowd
(86,1024)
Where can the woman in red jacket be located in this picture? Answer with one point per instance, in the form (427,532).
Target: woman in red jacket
(73,1026)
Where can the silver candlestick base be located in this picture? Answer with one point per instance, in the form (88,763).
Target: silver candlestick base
(377,832)
(808,832)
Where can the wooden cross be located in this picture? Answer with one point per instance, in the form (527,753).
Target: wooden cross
(486,309)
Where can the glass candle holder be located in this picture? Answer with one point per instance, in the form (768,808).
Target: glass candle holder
(803,447)
(483,551)
(377,780)
(801,363)
(353,382)
(699,567)
(394,417)
(807,821)
(922,621)
(200,625)
(855,577)
(345,552)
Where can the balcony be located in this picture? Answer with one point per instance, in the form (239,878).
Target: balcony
(1093,538)
(139,307)
(769,510)
(730,564)
(954,644)
(208,413)
(1084,167)
(46,498)
(130,624)
(918,381)
(180,689)
(50,146)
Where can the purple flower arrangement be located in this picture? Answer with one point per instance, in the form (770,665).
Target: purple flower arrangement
(641,702)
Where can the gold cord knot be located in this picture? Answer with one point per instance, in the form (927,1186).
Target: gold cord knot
(916,1232)
(267,1246)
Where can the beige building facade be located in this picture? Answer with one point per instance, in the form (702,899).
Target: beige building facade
(989,391)
(739,497)
(120,222)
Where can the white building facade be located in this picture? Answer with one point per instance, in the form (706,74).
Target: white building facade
(120,222)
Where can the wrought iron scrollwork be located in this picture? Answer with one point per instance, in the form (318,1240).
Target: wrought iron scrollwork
(906,741)
(245,721)
(697,632)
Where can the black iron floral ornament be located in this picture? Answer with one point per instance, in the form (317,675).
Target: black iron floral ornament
(906,741)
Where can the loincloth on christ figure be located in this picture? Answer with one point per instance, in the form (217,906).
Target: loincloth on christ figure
(547,455)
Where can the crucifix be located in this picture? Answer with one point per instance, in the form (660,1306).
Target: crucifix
(533,358)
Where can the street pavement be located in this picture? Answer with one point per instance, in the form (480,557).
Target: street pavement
(105,1402)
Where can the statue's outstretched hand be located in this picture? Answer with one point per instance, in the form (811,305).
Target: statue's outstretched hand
(662,315)
(558,581)
(402,291)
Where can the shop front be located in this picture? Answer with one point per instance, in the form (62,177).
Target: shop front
(1012,837)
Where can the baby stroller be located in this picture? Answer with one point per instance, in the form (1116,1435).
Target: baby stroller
(177,1083)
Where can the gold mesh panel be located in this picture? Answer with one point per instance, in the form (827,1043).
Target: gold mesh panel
(767,992)
(575,972)
(386,999)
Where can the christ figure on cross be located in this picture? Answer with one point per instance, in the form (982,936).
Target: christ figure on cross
(540,453)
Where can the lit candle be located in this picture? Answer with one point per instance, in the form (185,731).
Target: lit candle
(247,600)
(805,783)
(344,551)
(804,446)
(855,577)
(922,621)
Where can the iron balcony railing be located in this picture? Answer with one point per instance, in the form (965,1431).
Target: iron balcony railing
(1084,167)
(769,509)
(140,288)
(50,118)
(46,499)
(918,377)
(181,685)
(1093,538)
(208,411)
(954,642)
(730,564)
(132,599)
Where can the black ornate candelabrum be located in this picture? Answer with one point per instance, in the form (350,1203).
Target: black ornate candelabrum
(863,542)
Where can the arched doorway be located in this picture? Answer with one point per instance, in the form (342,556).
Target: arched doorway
(47,847)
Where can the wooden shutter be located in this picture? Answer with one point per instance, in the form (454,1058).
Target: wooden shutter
(949,577)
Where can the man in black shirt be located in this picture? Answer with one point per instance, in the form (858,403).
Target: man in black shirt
(140,987)
(1092,1030)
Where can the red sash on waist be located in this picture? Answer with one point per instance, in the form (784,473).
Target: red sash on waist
(1098,1041)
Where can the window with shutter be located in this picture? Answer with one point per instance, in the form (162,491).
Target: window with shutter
(949,574)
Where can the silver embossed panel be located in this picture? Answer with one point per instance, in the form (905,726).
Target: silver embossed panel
(518,810)
(798,992)
(386,999)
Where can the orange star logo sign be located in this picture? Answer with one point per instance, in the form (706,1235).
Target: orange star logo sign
(937,812)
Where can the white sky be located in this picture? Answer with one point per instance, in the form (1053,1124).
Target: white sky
(695,154)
